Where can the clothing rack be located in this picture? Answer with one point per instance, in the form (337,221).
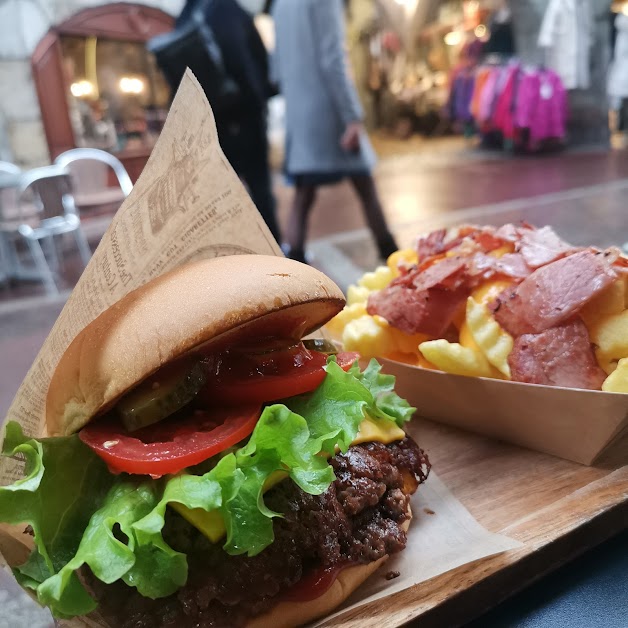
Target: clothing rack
(509,104)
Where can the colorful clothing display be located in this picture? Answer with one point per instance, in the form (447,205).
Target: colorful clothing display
(462,90)
(525,106)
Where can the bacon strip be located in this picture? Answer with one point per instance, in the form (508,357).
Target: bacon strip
(423,301)
(417,311)
(542,246)
(561,356)
(486,266)
(432,244)
(426,299)
(448,273)
(553,293)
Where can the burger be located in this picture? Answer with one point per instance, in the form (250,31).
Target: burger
(205,465)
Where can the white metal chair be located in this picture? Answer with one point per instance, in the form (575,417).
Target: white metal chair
(9,179)
(45,209)
(90,170)
(6,167)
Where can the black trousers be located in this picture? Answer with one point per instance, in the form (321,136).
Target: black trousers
(245,144)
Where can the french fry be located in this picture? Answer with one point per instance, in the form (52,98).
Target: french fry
(495,343)
(377,280)
(357,294)
(610,335)
(609,301)
(617,381)
(407,256)
(414,359)
(407,343)
(503,250)
(454,358)
(467,340)
(369,335)
(349,313)
(490,290)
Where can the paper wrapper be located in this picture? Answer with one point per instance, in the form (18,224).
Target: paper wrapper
(189,204)
(577,425)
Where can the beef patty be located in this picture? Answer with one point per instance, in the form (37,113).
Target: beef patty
(357,520)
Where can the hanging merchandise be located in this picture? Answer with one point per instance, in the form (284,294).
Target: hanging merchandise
(522,107)
(462,86)
(566,34)
(461,96)
(618,72)
(541,106)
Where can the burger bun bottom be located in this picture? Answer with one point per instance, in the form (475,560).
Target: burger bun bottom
(291,614)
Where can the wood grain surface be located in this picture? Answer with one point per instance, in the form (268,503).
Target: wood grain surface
(557,509)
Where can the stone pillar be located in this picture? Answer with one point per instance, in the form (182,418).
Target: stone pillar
(26,142)
(588,123)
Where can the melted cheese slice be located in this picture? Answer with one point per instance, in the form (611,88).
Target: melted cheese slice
(212,525)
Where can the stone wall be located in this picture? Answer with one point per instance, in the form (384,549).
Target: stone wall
(22,138)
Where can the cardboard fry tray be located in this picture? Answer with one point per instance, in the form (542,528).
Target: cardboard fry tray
(577,425)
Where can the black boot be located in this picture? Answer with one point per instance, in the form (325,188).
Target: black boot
(386,245)
(295,254)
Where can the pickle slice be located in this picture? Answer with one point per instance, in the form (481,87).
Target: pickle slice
(320,345)
(162,394)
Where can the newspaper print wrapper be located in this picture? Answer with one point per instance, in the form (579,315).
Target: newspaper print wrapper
(189,204)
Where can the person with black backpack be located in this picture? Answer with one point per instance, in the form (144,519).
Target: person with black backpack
(218,41)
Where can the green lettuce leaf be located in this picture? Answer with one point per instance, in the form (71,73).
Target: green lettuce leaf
(81,514)
(281,441)
(107,556)
(336,408)
(387,404)
(159,570)
(64,484)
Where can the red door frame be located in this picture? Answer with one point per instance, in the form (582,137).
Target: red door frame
(119,20)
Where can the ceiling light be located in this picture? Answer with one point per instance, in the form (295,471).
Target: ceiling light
(453,38)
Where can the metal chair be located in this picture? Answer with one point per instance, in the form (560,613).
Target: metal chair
(6,167)
(9,179)
(45,209)
(90,169)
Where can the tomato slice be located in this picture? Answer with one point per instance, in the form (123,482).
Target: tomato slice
(171,445)
(314,583)
(260,379)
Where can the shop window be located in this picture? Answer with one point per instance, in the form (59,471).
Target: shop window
(117,97)
(97,84)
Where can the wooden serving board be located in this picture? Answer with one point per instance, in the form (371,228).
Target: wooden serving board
(556,508)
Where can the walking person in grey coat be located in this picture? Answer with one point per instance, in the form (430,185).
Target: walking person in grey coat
(325,138)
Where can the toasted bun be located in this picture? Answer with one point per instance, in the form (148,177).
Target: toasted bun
(291,614)
(210,301)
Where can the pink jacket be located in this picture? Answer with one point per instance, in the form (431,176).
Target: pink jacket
(541,105)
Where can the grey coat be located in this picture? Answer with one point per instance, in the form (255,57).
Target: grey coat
(310,66)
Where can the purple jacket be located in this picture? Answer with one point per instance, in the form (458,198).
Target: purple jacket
(460,97)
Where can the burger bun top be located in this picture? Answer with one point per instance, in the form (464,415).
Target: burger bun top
(214,301)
